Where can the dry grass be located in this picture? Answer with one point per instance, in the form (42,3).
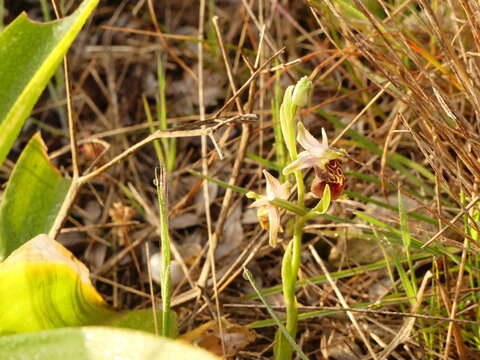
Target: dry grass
(401,75)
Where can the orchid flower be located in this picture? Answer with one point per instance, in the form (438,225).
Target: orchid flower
(325,160)
(268,214)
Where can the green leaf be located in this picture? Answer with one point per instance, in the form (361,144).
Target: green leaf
(96,343)
(32,199)
(438,251)
(29,55)
(377,202)
(403,221)
(282,330)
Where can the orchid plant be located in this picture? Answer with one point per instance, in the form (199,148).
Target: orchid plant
(328,184)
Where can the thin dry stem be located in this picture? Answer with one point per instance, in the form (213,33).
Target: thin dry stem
(78,183)
(72,126)
(212,241)
(458,286)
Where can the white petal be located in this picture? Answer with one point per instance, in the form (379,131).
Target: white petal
(260,202)
(305,160)
(284,191)
(324,138)
(273,225)
(307,140)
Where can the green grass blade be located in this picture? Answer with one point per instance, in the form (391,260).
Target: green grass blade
(336,275)
(367,199)
(156,143)
(161,183)
(274,316)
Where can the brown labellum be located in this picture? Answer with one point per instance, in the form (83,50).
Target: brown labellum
(333,175)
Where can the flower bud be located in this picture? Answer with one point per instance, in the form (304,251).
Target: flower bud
(287,120)
(301,92)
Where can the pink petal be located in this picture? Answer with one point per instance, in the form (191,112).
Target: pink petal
(305,160)
(307,140)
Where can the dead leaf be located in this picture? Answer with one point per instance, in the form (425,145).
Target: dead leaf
(121,214)
(185,220)
(232,235)
(199,199)
(236,337)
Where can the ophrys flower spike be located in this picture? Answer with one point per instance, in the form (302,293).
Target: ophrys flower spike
(326,161)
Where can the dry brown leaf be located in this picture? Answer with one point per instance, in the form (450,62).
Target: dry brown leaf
(236,337)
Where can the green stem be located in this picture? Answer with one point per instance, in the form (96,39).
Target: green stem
(2,13)
(156,143)
(290,267)
(297,248)
(165,251)
(289,291)
(300,188)
(292,256)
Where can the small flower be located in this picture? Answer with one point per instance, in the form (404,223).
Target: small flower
(325,161)
(315,154)
(268,214)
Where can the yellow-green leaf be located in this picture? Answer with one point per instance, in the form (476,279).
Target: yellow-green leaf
(43,286)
